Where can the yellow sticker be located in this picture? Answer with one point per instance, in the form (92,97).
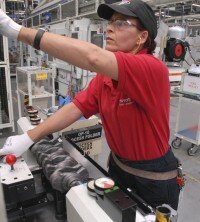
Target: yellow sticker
(41,76)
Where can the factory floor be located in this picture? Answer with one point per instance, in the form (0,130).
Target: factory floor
(190,197)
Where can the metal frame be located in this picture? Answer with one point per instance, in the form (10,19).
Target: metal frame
(34,97)
(5,64)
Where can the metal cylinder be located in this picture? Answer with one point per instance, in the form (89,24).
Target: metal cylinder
(177,32)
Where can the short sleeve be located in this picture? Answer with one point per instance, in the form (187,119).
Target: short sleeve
(142,77)
(87,100)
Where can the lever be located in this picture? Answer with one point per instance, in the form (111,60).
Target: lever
(11,160)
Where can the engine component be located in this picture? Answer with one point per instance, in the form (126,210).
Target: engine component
(64,179)
(60,169)
(42,155)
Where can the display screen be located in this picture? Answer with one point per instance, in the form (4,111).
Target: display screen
(74,35)
(97,39)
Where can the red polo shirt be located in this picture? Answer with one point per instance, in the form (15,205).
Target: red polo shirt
(135,110)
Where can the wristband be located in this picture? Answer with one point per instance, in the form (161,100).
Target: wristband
(39,34)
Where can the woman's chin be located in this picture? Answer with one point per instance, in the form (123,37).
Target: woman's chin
(110,48)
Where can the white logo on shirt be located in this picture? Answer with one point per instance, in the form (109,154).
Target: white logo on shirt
(124,2)
(124,102)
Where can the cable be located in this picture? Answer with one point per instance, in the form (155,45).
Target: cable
(187,62)
(192,57)
(188,46)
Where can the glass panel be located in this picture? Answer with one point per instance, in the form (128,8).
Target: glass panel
(54,14)
(97,39)
(74,35)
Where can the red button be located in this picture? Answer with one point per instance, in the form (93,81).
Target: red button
(180,181)
(10,159)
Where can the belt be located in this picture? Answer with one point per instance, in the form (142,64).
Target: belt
(145,174)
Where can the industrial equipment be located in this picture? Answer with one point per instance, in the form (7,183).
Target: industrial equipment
(176,46)
(70,78)
(2,204)
(6,107)
(61,169)
(174,54)
(36,83)
(189,104)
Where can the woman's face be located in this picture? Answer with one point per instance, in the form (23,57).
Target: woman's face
(122,34)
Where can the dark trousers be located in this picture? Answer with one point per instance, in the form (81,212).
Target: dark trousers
(154,192)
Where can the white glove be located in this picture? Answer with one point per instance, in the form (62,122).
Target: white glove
(16,145)
(8,27)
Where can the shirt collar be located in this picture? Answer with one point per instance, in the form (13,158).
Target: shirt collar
(142,51)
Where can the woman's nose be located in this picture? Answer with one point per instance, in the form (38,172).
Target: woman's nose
(109,28)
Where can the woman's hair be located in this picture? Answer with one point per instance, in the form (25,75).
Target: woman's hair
(150,44)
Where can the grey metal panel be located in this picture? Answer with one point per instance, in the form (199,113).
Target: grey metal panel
(2,206)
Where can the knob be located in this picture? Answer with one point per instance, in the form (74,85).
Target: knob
(11,160)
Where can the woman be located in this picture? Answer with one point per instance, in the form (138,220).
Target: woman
(130,91)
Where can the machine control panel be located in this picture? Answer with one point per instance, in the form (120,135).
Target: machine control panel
(12,172)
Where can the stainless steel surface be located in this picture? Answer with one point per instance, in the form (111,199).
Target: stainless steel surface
(177,32)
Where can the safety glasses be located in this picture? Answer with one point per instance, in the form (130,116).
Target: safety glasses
(121,24)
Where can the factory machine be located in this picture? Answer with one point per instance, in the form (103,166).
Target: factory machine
(70,79)
(58,179)
(174,54)
(52,180)
(53,184)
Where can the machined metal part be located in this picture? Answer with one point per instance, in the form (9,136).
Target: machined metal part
(64,179)
(58,162)
(42,155)
(53,159)
(59,168)
(46,142)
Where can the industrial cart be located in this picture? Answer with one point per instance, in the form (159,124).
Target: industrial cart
(188,124)
(188,118)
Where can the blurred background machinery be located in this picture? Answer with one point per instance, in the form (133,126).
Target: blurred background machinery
(6,108)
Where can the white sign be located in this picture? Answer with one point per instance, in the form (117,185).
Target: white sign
(191,84)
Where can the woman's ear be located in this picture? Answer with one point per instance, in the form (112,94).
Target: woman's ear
(143,37)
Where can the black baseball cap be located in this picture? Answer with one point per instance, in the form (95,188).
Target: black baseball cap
(135,8)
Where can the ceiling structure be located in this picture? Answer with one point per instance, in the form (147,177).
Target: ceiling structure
(170,11)
(176,11)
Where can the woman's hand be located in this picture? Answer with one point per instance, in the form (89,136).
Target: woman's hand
(16,145)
